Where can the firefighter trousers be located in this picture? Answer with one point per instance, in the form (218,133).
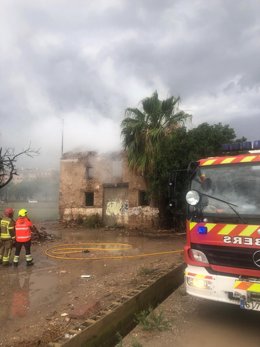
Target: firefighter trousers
(5,250)
(18,247)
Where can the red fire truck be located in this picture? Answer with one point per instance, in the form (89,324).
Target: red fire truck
(222,251)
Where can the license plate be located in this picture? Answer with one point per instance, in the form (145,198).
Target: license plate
(247,305)
(249,294)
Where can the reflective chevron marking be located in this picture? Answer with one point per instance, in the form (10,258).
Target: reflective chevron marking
(245,158)
(249,230)
(248,286)
(227,229)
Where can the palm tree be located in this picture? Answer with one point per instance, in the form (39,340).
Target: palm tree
(144,131)
(145,136)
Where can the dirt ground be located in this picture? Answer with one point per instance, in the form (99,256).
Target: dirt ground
(187,321)
(40,303)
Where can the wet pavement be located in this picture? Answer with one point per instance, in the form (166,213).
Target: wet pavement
(38,295)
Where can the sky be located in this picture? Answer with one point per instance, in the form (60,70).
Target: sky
(77,65)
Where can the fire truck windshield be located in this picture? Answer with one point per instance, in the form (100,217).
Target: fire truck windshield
(235,184)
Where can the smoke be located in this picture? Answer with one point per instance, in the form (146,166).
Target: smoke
(86,62)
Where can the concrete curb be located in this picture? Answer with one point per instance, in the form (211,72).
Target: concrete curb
(119,317)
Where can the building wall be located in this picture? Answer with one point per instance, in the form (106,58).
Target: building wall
(114,186)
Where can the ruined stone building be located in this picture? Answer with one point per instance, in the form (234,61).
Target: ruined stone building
(103,184)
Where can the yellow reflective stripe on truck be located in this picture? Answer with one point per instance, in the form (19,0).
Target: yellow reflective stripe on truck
(248,159)
(227,229)
(248,286)
(249,230)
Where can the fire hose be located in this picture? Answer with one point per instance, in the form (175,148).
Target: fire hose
(64,251)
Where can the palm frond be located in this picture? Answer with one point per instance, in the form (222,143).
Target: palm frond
(145,131)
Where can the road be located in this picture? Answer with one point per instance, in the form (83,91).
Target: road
(198,323)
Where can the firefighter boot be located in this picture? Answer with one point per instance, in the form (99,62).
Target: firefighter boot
(6,260)
(16,260)
(29,260)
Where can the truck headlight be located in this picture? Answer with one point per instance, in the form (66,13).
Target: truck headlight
(198,256)
(199,283)
(193,197)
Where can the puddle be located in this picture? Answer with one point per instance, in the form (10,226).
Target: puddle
(22,293)
(27,292)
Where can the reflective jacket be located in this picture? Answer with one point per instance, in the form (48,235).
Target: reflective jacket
(7,228)
(23,229)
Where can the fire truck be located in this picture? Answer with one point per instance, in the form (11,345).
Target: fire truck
(222,250)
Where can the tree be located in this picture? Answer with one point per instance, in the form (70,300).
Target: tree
(206,140)
(157,143)
(189,146)
(144,131)
(8,159)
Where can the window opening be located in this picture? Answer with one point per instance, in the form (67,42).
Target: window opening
(143,198)
(89,198)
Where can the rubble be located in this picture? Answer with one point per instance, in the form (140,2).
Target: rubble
(41,235)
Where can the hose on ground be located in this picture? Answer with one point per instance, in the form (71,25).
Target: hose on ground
(64,251)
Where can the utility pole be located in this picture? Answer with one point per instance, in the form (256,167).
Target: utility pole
(62,135)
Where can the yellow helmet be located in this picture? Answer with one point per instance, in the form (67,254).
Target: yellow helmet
(22,212)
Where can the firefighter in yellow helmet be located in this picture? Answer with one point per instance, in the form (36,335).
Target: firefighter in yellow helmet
(23,234)
(7,236)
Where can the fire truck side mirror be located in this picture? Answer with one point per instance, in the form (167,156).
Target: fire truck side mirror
(192,168)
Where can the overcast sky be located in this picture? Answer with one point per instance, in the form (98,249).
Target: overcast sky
(85,61)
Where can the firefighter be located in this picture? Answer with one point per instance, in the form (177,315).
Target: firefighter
(7,236)
(23,232)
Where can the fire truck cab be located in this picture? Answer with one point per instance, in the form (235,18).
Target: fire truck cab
(222,250)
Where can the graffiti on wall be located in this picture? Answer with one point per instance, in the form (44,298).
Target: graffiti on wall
(115,208)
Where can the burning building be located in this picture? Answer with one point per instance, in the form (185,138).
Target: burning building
(103,185)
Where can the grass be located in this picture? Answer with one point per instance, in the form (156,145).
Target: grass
(135,343)
(120,340)
(93,221)
(150,320)
(145,271)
